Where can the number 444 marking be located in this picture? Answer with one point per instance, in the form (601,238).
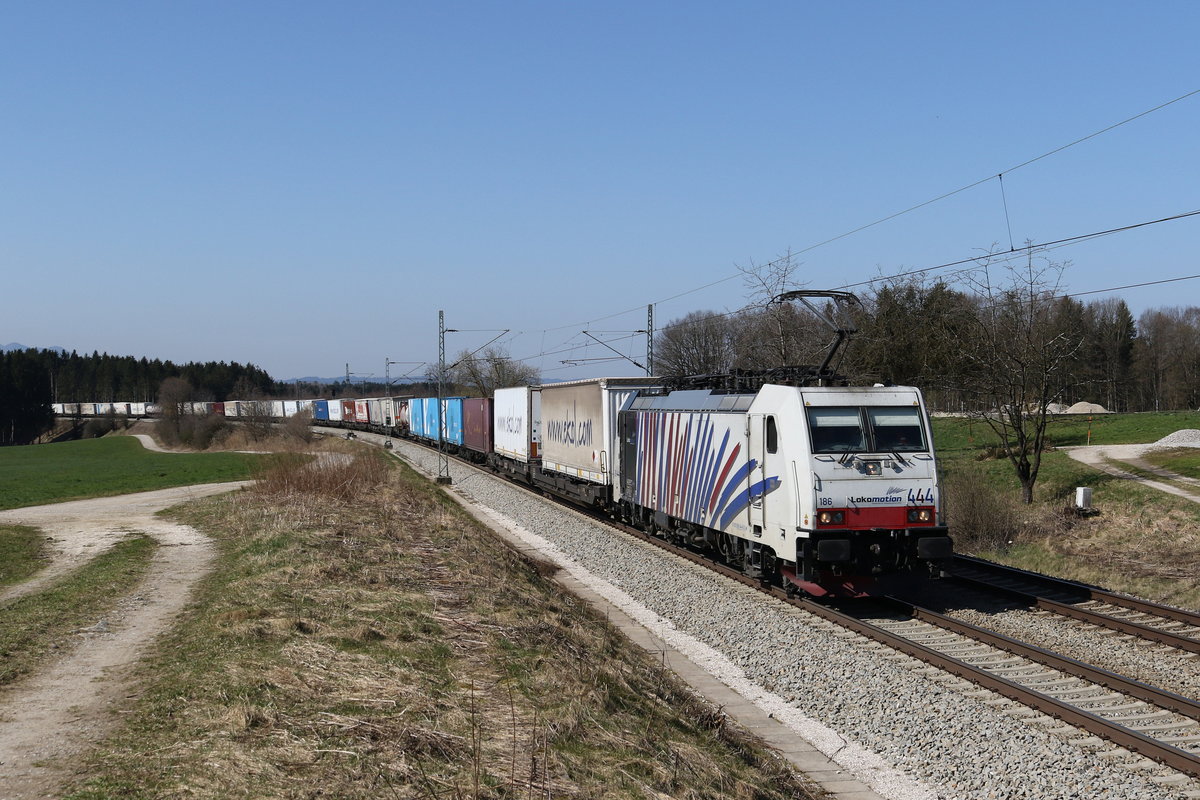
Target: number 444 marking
(921,495)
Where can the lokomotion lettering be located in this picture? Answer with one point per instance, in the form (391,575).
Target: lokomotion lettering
(570,431)
(887,499)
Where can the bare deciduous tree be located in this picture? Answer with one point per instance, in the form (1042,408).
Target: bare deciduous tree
(173,393)
(1011,362)
(701,343)
(256,418)
(490,370)
(769,333)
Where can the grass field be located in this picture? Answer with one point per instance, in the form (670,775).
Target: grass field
(1142,541)
(953,434)
(20,553)
(110,466)
(1183,461)
(381,644)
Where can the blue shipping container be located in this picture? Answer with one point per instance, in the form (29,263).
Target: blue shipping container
(452,430)
(433,420)
(320,409)
(416,417)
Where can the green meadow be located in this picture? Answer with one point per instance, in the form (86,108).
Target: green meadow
(114,465)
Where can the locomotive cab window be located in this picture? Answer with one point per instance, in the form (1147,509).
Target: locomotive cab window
(870,429)
(772,436)
(836,430)
(896,430)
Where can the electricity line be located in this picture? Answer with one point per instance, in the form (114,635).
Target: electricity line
(880,221)
(999,256)
(1027,248)
(1133,286)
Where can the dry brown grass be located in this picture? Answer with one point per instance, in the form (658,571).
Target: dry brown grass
(1141,542)
(329,475)
(1146,550)
(366,638)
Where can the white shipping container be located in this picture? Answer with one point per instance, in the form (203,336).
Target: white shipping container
(137,409)
(335,410)
(516,430)
(231,408)
(579,425)
(276,409)
(290,407)
(375,412)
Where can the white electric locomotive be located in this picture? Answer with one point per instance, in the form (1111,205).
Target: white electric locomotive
(833,490)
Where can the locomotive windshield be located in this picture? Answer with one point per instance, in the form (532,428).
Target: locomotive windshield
(866,429)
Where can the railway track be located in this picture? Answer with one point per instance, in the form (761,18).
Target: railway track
(1154,723)
(1162,726)
(1174,627)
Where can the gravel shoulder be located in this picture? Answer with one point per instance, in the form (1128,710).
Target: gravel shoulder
(48,719)
(932,735)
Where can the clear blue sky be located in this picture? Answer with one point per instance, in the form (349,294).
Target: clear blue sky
(300,185)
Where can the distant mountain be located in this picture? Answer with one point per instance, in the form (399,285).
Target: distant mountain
(18,346)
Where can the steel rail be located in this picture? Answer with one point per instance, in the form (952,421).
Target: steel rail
(1149,632)
(1173,757)
(1173,702)
(1090,592)
(1169,755)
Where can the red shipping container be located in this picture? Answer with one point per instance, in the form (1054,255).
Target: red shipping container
(477,424)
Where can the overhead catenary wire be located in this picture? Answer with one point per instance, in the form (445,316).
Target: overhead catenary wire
(1028,248)
(997,175)
(1000,256)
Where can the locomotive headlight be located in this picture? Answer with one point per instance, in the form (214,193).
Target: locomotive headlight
(871,468)
(920,515)
(831,517)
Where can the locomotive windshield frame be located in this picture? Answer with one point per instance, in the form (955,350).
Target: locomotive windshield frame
(866,429)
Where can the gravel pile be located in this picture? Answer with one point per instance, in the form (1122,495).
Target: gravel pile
(957,742)
(1188,437)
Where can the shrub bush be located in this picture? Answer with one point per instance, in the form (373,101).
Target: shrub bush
(981,517)
(197,431)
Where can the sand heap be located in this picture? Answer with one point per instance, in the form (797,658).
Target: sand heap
(1087,408)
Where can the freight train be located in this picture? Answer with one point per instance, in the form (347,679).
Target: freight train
(791,476)
(828,490)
